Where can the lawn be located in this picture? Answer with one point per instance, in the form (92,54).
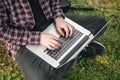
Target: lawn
(101,67)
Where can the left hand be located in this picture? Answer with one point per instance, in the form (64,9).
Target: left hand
(64,28)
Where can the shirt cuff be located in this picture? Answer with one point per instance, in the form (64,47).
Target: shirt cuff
(35,38)
(58,13)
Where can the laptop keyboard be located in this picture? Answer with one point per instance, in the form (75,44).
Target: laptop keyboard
(66,44)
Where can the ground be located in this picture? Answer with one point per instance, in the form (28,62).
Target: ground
(101,67)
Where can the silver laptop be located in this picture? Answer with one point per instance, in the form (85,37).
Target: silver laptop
(69,49)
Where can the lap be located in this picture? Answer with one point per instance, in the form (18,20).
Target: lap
(34,68)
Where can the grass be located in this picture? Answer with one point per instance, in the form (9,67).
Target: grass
(106,66)
(101,67)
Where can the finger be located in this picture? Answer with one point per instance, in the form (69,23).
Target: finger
(71,28)
(54,46)
(66,29)
(57,40)
(50,47)
(60,31)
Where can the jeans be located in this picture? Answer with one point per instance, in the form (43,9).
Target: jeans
(34,68)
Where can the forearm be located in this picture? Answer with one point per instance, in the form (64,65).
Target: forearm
(19,37)
(56,9)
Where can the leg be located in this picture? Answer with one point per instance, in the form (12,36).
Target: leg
(34,68)
(93,24)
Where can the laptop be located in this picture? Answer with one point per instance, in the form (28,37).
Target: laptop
(70,47)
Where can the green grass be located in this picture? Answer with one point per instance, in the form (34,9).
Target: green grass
(106,66)
(101,67)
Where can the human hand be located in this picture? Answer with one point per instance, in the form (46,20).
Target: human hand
(64,28)
(50,41)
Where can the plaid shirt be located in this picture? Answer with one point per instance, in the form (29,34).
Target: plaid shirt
(22,21)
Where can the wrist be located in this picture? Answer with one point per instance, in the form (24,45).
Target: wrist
(58,19)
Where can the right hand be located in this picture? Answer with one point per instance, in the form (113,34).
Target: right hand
(50,41)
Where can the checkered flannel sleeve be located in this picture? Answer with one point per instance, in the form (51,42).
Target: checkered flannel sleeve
(56,8)
(15,36)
